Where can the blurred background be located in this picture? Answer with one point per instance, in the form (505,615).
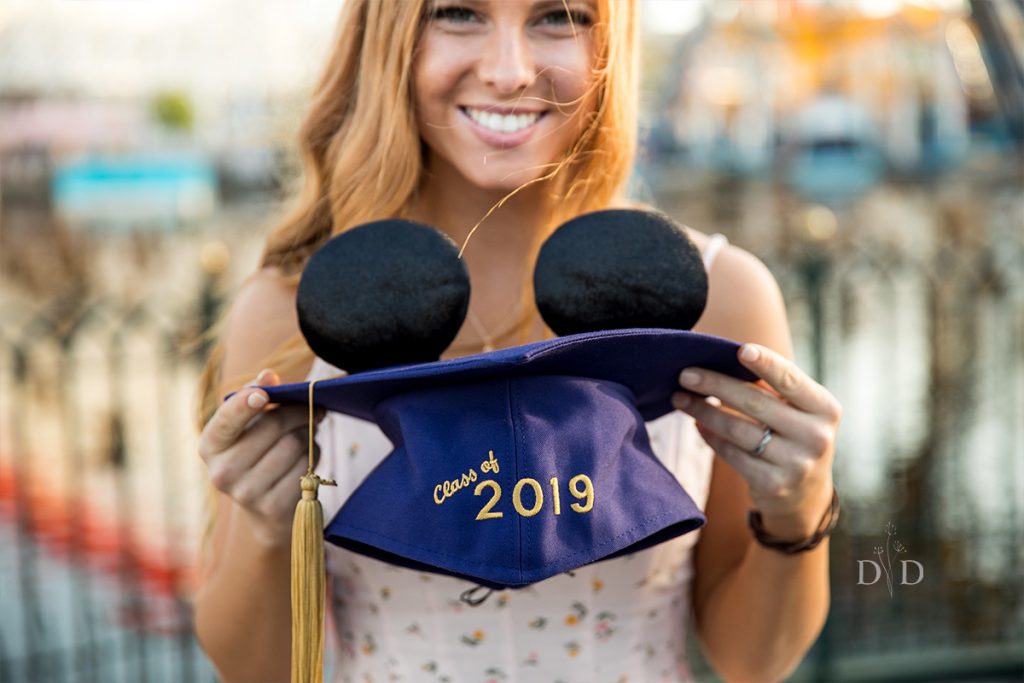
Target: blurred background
(869,151)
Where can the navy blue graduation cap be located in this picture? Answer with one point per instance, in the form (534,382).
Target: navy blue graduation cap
(515,465)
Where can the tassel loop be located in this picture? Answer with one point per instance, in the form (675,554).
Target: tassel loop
(310,484)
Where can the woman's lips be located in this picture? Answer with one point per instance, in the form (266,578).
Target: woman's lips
(500,139)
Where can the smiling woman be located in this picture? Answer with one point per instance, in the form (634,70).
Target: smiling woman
(496,121)
(502,92)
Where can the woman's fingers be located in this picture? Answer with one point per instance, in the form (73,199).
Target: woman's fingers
(792,383)
(229,421)
(741,431)
(234,415)
(773,488)
(254,482)
(281,498)
(748,399)
(239,438)
(792,472)
(230,464)
(758,473)
(257,455)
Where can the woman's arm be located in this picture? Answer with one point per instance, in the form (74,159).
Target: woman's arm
(243,609)
(757,610)
(243,606)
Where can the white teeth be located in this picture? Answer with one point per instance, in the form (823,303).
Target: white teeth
(503,123)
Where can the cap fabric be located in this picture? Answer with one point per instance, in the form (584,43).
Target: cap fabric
(515,465)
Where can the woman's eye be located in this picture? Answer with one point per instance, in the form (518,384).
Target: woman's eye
(574,17)
(454,14)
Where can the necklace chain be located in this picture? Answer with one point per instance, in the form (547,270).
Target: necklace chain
(484,334)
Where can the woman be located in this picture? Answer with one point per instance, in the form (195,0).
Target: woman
(497,120)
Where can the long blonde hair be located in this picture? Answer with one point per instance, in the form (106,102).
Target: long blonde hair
(362,157)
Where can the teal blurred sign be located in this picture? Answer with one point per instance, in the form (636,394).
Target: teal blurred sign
(135,191)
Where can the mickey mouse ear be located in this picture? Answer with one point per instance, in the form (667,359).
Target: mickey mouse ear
(385,293)
(617,269)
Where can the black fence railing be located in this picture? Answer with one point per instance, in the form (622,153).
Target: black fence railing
(99,494)
(910,308)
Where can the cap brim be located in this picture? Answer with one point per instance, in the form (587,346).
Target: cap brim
(645,360)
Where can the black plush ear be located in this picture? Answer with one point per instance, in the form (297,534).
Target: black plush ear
(619,268)
(385,293)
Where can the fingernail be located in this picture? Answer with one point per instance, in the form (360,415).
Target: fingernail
(682,400)
(257,399)
(749,352)
(262,376)
(690,378)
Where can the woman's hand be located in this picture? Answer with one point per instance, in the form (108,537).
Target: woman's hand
(791,481)
(256,456)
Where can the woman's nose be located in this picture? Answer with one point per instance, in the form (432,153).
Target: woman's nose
(507,63)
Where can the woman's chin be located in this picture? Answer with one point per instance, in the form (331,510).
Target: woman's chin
(504,182)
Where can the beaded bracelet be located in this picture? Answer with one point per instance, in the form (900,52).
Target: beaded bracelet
(825,527)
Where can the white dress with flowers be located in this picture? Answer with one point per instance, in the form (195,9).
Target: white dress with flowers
(613,621)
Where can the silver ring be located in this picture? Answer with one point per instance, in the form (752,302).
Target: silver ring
(766,438)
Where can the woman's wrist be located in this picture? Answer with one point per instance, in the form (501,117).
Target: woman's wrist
(793,533)
(272,538)
(787,527)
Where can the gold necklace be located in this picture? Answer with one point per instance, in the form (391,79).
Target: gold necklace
(482,332)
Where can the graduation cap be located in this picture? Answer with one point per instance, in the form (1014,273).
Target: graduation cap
(515,465)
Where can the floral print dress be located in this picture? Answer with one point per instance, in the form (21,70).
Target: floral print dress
(616,621)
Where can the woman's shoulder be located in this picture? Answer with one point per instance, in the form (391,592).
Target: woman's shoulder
(743,296)
(260,319)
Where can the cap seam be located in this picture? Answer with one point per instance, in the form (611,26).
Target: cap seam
(512,414)
(575,339)
(553,345)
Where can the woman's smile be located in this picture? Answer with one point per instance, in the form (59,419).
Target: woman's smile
(503,88)
(502,130)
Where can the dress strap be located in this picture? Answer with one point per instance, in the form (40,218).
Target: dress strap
(715,244)
(321,369)
(317,370)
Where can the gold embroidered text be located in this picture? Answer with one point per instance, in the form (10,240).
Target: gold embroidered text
(584,493)
(489,465)
(446,489)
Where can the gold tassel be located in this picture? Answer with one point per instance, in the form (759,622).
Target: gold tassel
(308,575)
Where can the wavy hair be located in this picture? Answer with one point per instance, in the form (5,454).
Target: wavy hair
(363,160)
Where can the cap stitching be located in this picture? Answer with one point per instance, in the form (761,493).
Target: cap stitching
(515,459)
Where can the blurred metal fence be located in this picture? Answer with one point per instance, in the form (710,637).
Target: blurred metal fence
(926,349)
(909,307)
(916,327)
(99,493)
